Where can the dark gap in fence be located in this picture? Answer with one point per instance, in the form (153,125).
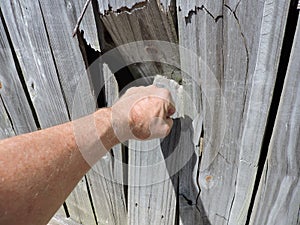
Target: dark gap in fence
(125,172)
(91,199)
(54,61)
(282,69)
(173,11)
(66,210)
(90,56)
(104,38)
(8,115)
(123,76)
(177,219)
(20,74)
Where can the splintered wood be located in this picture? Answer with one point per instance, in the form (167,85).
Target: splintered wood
(220,61)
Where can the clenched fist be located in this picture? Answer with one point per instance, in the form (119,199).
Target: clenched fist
(143,113)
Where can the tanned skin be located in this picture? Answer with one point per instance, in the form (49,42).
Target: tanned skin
(38,170)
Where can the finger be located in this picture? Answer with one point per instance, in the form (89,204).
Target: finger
(168,126)
(160,128)
(171,110)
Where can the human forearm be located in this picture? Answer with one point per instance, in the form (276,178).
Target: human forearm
(38,170)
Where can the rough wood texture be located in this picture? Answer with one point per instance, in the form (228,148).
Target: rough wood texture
(6,129)
(12,94)
(145,188)
(61,220)
(30,41)
(181,179)
(278,198)
(44,48)
(106,177)
(88,23)
(219,32)
(137,24)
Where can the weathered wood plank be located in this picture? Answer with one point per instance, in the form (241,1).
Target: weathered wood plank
(278,198)
(6,128)
(73,76)
(106,5)
(146,21)
(11,90)
(106,177)
(75,83)
(88,24)
(79,205)
(185,137)
(201,34)
(258,93)
(151,194)
(24,21)
(144,191)
(61,220)
(242,58)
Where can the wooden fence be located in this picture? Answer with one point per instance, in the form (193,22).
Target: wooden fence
(243,167)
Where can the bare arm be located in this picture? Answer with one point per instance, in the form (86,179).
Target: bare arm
(38,170)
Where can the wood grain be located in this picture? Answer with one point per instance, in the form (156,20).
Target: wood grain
(6,128)
(137,25)
(12,94)
(29,38)
(278,198)
(72,76)
(242,58)
(106,177)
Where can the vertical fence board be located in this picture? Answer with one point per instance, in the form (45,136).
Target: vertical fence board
(278,198)
(106,177)
(26,28)
(149,201)
(26,21)
(147,21)
(6,128)
(258,94)
(151,195)
(242,57)
(75,83)
(88,24)
(11,90)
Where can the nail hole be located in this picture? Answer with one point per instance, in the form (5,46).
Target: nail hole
(208,178)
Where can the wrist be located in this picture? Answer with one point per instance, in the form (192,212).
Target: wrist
(103,123)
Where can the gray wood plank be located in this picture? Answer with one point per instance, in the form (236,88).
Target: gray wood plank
(61,220)
(26,21)
(106,177)
(149,202)
(278,198)
(75,83)
(200,34)
(238,56)
(6,128)
(106,5)
(138,25)
(259,92)
(11,90)
(151,194)
(26,28)
(88,24)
